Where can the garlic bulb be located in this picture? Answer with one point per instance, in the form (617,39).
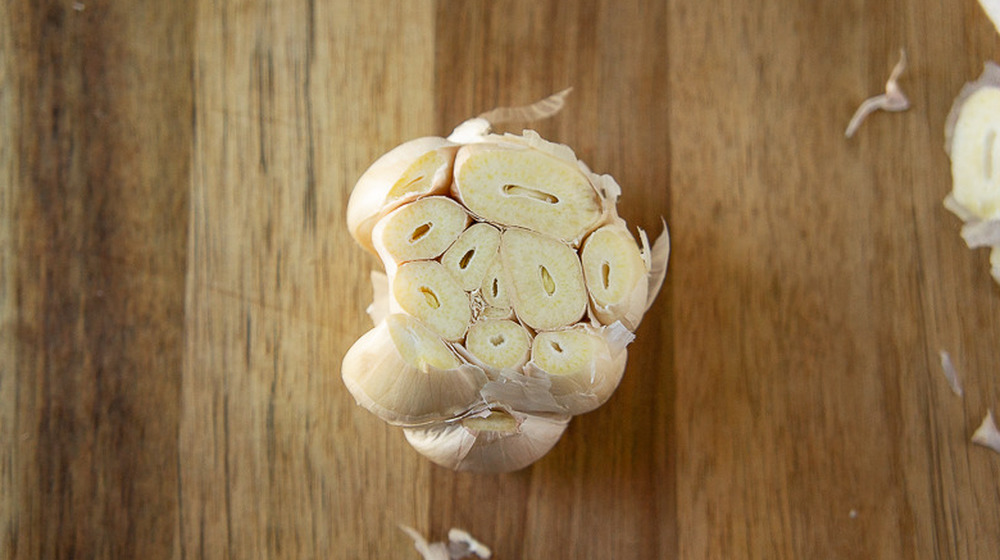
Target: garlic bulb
(971,142)
(511,291)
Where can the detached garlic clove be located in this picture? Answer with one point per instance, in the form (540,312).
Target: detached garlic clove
(405,374)
(975,154)
(500,441)
(971,141)
(417,168)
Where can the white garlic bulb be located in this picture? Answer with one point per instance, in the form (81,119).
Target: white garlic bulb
(511,291)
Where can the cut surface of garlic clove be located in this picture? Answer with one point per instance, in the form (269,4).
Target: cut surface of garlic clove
(494,290)
(416,168)
(421,230)
(499,344)
(501,441)
(584,367)
(427,291)
(547,289)
(469,258)
(404,373)
(515,186)
(616,276)
(975,154)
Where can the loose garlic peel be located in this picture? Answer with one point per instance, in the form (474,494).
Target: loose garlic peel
(511,291)
(971,141)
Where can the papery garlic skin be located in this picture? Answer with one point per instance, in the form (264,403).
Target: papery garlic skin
(511,291)
(403,373)
(498,442)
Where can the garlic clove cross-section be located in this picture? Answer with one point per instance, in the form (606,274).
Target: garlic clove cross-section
(971,140)
(417,168)
(511,291)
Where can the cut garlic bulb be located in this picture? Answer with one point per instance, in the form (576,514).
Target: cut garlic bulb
(500,441)
(511,291)
(971,141)
(405,374)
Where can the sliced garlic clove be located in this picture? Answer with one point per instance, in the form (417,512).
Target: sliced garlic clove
(514,186)
(405,374)
(427,291)
(501,441)
(498,344)
(583,364)
(423,229)
(495,290)
(616,276)
(971,141)
(469,258)
(417,168)
(547,290)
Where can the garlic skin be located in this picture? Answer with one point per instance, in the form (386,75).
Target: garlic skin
(511,291)
(971,142)
(498,442)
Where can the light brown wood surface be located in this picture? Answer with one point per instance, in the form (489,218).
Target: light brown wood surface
(177,284)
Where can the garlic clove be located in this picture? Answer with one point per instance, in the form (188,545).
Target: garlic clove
(411,170)
(583,364)
(423,229)
(515,186)
(547,289)
(405,374)
(469,258)
(495,289)
(499,441)
(975,154)
(616,276)
(498,344)
(427,291)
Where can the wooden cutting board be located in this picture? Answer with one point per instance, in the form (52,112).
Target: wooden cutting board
(177,285)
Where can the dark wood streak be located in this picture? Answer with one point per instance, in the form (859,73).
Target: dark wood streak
(100,238)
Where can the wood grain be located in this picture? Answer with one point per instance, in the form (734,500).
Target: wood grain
(177,285)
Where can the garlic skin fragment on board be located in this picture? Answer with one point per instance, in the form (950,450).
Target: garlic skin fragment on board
(511,291)
(971,142)
(892,100)
(987,434)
